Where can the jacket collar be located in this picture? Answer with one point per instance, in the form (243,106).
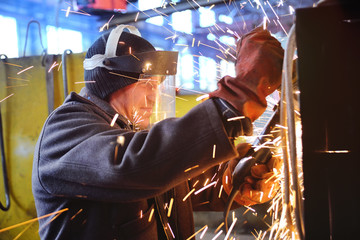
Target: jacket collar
(86,96)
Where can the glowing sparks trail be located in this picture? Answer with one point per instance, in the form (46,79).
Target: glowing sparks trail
(217,235)
(197,232)
(172,233)
(25,70)
(214,151)
(203,188)
(114,120)
(106,24)
(67,12)
(204,231)
(33,220)
(151,214)
(170,207)
(235,118)
(6,98)
(52,66)
(196,166)
(230,229)
(187,195)
(220,191)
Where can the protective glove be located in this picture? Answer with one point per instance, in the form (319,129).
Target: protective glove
(258,68)
(260,185)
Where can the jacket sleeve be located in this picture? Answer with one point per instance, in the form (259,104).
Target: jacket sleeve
(77,154)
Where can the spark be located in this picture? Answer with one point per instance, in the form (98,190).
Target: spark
(282,27)
(6,98)
(76,214)
(196,166)
(205,96)
(171,230)
(261,195)
(11,64)
(249,208)
(291,10)
(170,207)
(67,12)
(25,70)
(214,151)
(211,6)
(213,176)
(336,151)
(204,231)
(193,41)
(114,120)
(218,228)
(134,55)
(197,181)
(217,235)
(259,4)
(196,232)
(33,220)
(200,43)
(106,24)
(82,13)
(141,214)
(230,229)
(218,27)
(136,17)
(206,181)
(79,82)
(220,191)
(235,118)
(277,125)
(273,10)
(52,66)
(187,195)
(22,232)
(220,58)
(151,214)
(203,188)
(196,3)
(118,74)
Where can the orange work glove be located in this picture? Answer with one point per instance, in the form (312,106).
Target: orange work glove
(258,68)
(259,186)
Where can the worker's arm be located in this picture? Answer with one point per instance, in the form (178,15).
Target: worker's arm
(79,155)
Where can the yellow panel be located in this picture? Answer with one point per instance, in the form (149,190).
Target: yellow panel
(24,113)
(184,103)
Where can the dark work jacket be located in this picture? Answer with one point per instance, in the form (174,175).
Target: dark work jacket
(107,190)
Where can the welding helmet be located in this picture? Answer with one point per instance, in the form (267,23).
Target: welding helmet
(127,58)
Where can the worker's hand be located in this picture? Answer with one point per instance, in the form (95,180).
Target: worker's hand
(258,68)
(259,186)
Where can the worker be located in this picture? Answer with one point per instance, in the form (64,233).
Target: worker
(106,175)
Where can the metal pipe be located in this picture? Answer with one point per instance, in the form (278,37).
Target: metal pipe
(143,15)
